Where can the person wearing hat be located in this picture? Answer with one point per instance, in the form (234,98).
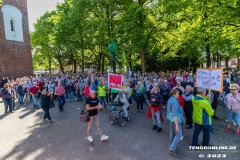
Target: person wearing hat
(93,105)
(45,104)
(232,101)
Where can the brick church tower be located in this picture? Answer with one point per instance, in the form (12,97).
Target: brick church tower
(15,49)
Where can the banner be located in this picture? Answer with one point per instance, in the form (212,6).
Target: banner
(210,79)
(115,81)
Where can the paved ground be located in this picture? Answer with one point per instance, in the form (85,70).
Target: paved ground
(24,136)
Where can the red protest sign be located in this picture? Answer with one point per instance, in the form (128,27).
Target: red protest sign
(115,81)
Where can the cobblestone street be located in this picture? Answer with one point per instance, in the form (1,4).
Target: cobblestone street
(24,136)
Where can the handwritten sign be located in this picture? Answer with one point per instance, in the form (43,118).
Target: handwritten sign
(115,81)
(210,79)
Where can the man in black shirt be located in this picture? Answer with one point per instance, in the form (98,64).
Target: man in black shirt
(92,105)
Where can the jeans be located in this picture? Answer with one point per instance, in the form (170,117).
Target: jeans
(70,95)
(174,136)
(47,114)
(189,118)
(103,101)
(79,96)
(139,104)
(13,103)
(35,101)
(206,134)
(61,102)
(66,91)
(212,125)
(90,123)
(156,119)
(8,104)
(223,96)
(20,99)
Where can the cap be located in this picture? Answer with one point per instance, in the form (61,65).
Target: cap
(155,84)
(165,80)
(92,91)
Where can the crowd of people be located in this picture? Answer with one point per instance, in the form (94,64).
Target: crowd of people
(186,105)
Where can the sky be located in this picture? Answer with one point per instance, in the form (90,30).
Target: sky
(36,8)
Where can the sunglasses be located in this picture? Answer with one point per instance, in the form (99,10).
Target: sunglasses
(233,89)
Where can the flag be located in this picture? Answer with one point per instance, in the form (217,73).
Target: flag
(115,81)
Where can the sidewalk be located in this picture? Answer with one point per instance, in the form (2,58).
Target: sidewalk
(24,136)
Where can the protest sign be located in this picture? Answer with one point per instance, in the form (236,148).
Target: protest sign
(210,79)
(115,81)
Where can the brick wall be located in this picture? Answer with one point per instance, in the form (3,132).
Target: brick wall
(15,57)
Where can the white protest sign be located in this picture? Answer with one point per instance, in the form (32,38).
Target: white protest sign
(210,79)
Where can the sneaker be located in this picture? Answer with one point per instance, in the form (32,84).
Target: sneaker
(104,138)
(154,127)
(173,153)
(181,138)
(45,120)
(159,129)
(90,139)
(50,121)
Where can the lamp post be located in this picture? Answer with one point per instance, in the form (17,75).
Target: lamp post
(113,47)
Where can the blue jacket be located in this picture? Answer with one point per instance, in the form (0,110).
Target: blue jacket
(174,109)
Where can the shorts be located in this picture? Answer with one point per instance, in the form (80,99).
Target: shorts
(233,117)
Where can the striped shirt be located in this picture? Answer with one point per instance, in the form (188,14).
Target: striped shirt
(156,99)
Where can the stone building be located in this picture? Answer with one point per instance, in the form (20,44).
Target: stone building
(15,49)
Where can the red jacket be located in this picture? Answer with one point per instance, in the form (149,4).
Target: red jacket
(181,101)
(40,85)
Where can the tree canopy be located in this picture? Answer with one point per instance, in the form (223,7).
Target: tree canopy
(151,35)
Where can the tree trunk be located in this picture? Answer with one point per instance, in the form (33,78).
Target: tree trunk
(226,62)
(99,62)
(143,65)
(82,53)
(75,66)
(238,64)
(208,57)
(114,66)
(217,54)
(103,61)
(50,65)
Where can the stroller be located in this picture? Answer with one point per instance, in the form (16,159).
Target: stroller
(117,115)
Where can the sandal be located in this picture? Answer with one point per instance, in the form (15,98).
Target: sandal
(237,132)
(227,129)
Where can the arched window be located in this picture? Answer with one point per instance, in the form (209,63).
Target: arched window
(12,25)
